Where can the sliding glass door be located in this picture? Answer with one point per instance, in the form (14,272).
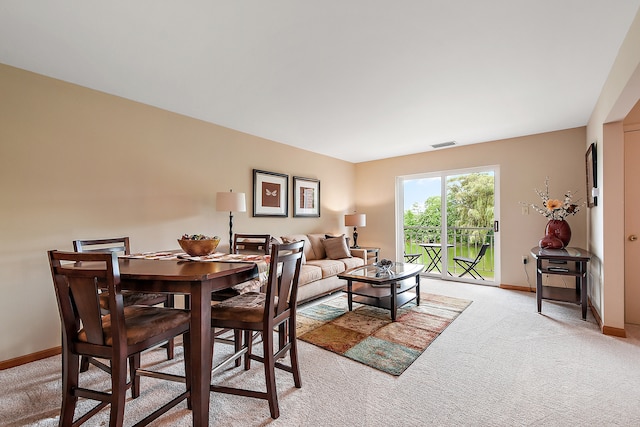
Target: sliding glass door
(448,222)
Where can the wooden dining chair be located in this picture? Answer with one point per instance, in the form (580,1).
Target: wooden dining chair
(258,244)
(118,336)
(264,312)
(247,244)
(120,245)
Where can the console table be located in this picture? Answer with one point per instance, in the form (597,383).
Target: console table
(563,262)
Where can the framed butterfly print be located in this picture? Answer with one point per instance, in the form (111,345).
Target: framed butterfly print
(306,197)
(270,193)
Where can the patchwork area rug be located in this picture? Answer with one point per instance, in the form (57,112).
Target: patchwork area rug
(368,335)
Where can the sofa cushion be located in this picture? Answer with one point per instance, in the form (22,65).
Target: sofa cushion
(329,267)
(309,273)
(307,250)
(336,247)
(352,262)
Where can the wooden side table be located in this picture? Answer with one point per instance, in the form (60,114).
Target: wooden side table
(564,262)
(373,254)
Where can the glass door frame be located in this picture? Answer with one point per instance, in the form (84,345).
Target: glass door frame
(443,175)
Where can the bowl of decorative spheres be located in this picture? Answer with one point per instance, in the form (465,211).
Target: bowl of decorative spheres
(198,245)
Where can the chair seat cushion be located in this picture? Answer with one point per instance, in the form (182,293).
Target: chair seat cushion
(143,322)
(133,298)
(248,307)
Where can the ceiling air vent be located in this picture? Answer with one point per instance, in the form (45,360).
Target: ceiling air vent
(444,144)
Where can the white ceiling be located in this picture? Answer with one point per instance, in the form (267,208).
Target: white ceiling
(353,79)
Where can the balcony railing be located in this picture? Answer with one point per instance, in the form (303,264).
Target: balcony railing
(463,241)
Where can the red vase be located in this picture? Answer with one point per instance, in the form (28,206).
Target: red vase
(556,229)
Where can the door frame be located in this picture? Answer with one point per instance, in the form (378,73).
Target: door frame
(443,174)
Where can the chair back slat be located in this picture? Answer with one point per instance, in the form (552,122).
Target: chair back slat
(84,295)
(284,272)
(118,245)
(257,244)
(483,250)
(77,278)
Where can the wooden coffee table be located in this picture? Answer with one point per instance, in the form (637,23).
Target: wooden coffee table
(366,285)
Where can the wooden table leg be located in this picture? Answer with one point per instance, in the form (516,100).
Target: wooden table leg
(349,294)
(201,352)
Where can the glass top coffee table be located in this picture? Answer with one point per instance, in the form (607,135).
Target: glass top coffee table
(368,285)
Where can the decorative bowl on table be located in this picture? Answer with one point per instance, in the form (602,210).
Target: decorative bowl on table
(384,266)
(198,244)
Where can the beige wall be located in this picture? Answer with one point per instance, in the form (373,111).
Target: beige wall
(606,221)
(76,163)
(523,163)
(159,173)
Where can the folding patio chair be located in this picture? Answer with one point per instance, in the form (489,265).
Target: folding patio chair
(469,264)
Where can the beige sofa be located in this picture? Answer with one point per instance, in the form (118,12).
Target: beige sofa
(325,257)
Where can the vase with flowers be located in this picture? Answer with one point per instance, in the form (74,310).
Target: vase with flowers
(557,232)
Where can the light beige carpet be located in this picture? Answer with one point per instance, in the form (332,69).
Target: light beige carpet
(499,364)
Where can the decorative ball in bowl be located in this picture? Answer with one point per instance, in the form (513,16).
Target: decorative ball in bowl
(384,266)
(198,244)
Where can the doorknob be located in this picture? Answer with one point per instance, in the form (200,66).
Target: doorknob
(633,238)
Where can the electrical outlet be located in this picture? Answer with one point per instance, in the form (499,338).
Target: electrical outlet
(525,259)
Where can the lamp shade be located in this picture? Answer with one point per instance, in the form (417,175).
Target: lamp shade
(355,220)
(231,202)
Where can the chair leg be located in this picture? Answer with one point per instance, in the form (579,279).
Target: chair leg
(84,364)
(270,374)
(187,364)
(70,372)
(170,344)
(478,274)
(170,349)
(134,365)
(467,269)
(293,354)
(237,345)
(118,390)
(248,341)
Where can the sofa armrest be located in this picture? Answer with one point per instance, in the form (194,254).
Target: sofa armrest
(359,253)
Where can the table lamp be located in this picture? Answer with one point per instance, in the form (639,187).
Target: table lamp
(231,202)
(355,221)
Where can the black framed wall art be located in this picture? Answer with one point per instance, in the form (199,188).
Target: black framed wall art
(592,180)
(270,193)
(306,197)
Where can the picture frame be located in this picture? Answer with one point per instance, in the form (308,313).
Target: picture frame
(270,194)
(592,181)
(306,197)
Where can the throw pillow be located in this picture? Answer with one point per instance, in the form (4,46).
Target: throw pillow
(336,247)
(287,240)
